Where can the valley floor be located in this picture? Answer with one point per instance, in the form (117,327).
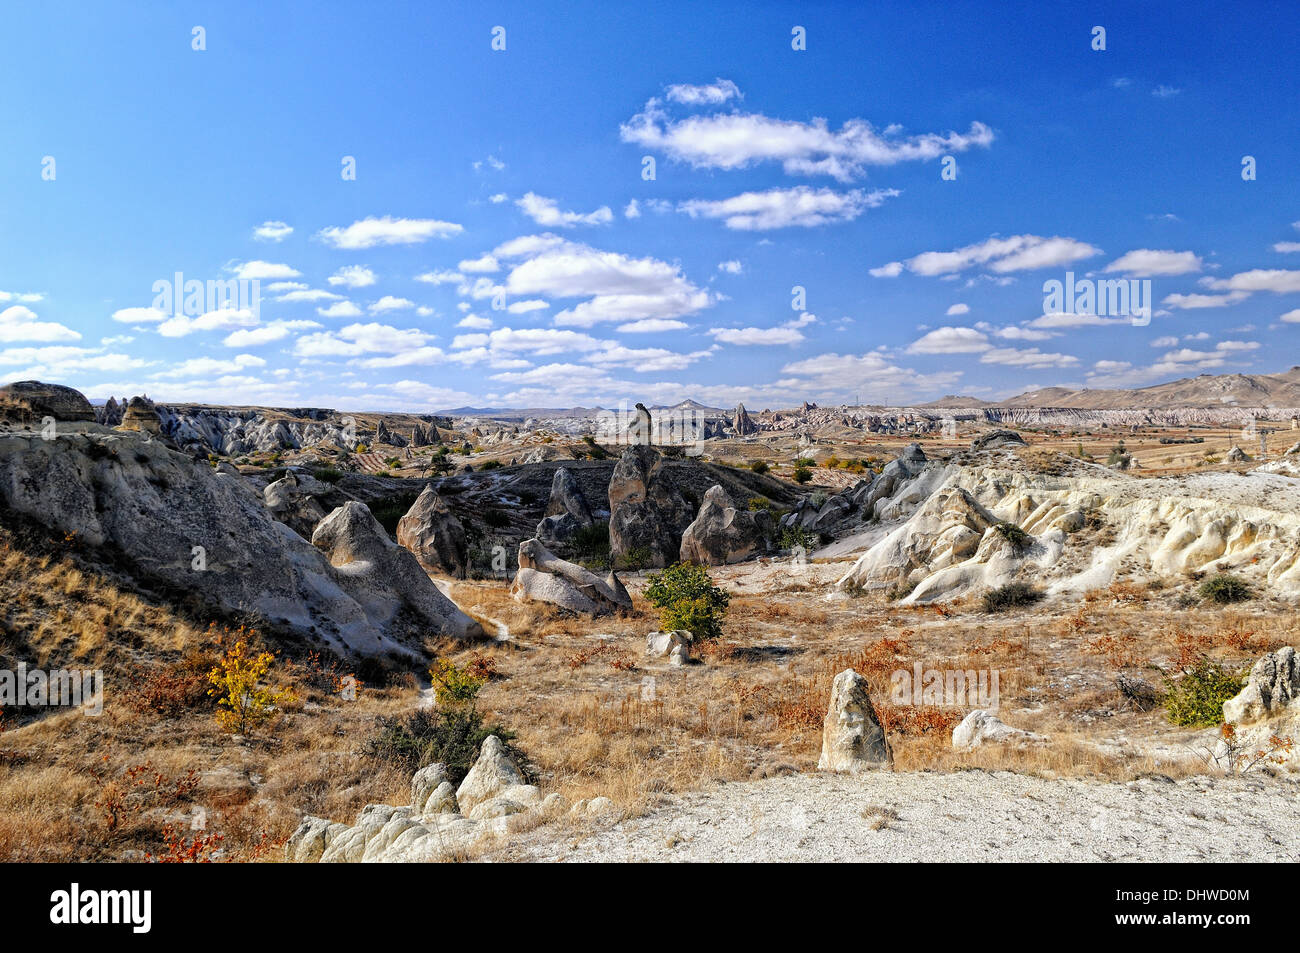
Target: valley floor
(966,816)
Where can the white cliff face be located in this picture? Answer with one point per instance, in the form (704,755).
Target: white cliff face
(1167,527)
(161,515)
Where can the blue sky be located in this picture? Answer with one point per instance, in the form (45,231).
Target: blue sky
(499,245)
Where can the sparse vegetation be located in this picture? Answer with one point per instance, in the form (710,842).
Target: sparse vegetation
(1196,699)
(1224,589)
(1011,596)
(686,598)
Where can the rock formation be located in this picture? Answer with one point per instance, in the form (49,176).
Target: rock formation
(544,577)
(567,513)
(674,646)
(981,727)
(722,534)
(29,402)
(742,423)
(994,439)
(165,517)
(852,739)
(140,415)
(433,533)
(645,512)
(291,501)
(1267,708)
(385,578)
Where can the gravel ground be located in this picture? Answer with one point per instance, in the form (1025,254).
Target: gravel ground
(966,816)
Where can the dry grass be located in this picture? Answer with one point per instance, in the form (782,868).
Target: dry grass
(595,717)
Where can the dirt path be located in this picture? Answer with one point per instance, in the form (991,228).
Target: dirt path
(970,816)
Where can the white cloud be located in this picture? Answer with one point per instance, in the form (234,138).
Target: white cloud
(891,270)
(1147,262)
(20,323)
(950,340)
(262,270)
(1001,255)
(732,267)
(498,197)
(390,303)
(311,294)
(1276,280)
(546,212)
(440,277)
(372,232)
(340,309)
(1291,317)
(783,208)
(357,339)
(222,319)
(353,276)
(203,366)
(27,298)
(484,264)
(1286,247)
(524,307)
(1169,341)
(139,315)
(958,308)
(1164,92)
(272,232)
(474,322)
(738,140)
(632,209)
(786,333)
(653,325)
(1196,301)
(266,334)
(1031,358)
(712,94)
(276,287)
(1067,319)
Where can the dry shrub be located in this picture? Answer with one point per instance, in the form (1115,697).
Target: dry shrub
(1118,650)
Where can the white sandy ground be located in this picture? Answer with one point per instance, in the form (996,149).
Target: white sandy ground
(968,816)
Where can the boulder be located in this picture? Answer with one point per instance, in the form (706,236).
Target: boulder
(645,512)
(545,577)
(567,513)
(307,844)
(433,533)
(493,773)
(424,783)
(30,402)
(290,503)
(674,646)
(1000,437)
(723,534)
(982,727)
(1237,455)
(852,739)
(386,578)
(1271,688)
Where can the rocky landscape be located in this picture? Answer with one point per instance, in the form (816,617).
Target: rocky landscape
(507,575)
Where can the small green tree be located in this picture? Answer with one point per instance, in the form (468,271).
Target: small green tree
(686,598)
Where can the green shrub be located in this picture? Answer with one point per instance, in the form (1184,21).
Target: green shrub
(1196,700)
(592,542)
(1014,535)
(1225,588)
(452,736)
(327,474)
(1009,596)
(792,536)
(757,503)
(636,559)
(452,684)
(759,466)
(389,511)
(686,598)
(802,475)
(491,465)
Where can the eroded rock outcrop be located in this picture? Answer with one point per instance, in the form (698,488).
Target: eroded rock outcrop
(384,577)
(567,513)
(164,516)
(545,577)
(982,727)
(852,739)
(433,533)
(290,500)
(1266,711)
(645,512)
(29,402)
(723,534)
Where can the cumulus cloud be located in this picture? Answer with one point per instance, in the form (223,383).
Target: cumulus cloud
(1187,302)
(262,270)
(958,308)
(711,94)
(340,309)
(950,341)
(1277,280)
(484,264)
(20,323)
(787,333)
(783,208)
(738,140)
(222,319)
(353,276)
(139,315)
(546,212)
(1000,255)
(390,303)
(372,232)
(272,232)
(1148,262)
